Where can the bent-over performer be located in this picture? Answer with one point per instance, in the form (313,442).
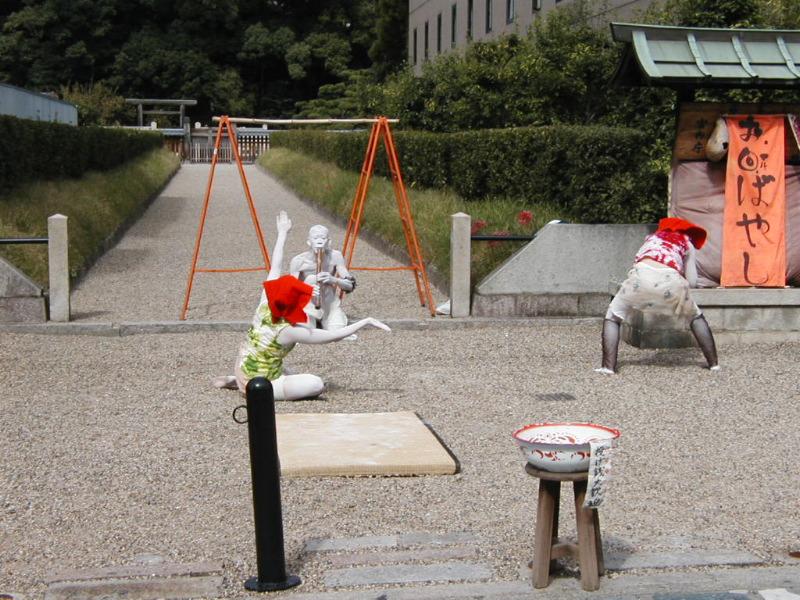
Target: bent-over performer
(664,269)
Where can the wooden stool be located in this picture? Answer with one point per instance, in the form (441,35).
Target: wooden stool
(589,549)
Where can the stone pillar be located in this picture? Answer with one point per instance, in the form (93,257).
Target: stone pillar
(460,258)
(58,263)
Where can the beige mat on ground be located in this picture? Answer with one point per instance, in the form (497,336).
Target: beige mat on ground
(329,444)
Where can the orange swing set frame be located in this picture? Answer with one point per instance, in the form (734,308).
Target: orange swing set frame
(380,129)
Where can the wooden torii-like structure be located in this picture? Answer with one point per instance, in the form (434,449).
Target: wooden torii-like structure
(380,128)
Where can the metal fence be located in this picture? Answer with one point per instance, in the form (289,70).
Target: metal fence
(25,104)
(253,142)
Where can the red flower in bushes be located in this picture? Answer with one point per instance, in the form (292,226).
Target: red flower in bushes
(494,243)
(477,226)
(524,217)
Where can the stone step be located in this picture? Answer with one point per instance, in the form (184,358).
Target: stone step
(402,574)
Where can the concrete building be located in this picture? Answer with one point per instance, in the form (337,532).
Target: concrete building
(439,26)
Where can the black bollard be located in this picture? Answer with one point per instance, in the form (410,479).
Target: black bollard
(265,470)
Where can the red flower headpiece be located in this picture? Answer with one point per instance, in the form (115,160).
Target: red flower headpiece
(696,233)
(287,296)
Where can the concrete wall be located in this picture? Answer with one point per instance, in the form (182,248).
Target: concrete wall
(21,300)
(566,269)
(25,104)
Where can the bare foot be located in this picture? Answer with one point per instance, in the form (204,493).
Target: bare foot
(225,382)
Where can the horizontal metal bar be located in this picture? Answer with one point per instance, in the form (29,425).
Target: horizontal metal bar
(501,238)
(161,112)
(171,102)
(301,121)
(23,240)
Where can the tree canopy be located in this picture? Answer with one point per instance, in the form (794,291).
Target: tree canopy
(257,57)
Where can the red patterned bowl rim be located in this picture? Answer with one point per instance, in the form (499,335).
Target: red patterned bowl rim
(616,433)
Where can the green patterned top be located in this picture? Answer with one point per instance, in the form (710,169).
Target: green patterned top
(262,355)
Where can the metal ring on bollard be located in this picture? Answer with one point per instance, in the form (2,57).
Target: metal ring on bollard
(233,414)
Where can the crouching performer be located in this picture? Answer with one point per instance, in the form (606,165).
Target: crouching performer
(279,323)
(664,269)
(322,267)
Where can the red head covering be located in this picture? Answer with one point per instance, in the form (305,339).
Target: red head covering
(696,233)
(287,296)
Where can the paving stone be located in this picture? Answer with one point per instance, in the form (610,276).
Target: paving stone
(170,588)
(721,596)
(432,539)
(451,591)
(383,557)
(664,560)
(151,569)
(369,541)
(778,594)
(449,571)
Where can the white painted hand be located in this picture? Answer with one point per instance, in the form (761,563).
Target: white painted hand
(377,324)
(283,222)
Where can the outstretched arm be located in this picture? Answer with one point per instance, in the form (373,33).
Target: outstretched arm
(690,266)
(284,225)
(304,335)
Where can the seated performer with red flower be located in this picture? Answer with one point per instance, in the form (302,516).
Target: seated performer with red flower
(664,269)
(280,322)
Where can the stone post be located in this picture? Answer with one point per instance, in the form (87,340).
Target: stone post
(460,258)
(58,263)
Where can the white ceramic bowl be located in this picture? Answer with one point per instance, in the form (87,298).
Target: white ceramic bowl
(561,447)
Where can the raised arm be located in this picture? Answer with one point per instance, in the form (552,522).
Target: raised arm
(284,225)
(304,335)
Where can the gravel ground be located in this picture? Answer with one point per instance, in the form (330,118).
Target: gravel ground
(119,447)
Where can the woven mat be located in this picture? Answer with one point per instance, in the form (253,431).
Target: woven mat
(361,444)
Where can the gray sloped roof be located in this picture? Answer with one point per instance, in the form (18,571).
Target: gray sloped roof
(703,57)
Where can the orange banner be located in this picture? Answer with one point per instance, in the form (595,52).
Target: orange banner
(754,227)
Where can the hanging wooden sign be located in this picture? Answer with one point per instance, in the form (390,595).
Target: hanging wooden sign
(754,225)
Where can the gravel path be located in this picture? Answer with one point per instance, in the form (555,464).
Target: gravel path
(144,277)
(119,447)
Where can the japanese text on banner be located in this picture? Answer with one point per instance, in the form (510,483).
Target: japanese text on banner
(753,239)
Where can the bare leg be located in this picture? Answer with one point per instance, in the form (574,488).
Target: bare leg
(297,387)
(610,345)
(705,339)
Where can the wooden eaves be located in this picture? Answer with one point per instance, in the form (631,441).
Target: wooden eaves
(695,57)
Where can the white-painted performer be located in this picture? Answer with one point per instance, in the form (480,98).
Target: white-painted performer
(281,321)
(324,267)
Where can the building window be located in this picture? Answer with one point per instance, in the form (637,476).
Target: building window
(469,19)
(439,33)
(510,11)
(414,51)
(488,16)
(536,5)
(453,18)
(425,53)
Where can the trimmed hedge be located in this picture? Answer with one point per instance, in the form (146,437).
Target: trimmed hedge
(36,150)
(595,174)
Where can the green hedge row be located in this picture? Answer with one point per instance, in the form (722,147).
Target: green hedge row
(34,150)
(595,174)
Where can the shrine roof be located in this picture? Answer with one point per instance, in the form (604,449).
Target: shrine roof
(683,57)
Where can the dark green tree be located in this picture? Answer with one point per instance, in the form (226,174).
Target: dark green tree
(388,51)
